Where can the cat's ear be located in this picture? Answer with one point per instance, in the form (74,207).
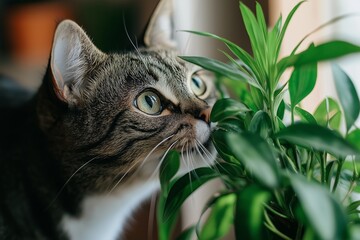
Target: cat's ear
(72,57)
(160,30)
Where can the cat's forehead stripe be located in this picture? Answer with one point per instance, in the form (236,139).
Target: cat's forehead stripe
(166,91)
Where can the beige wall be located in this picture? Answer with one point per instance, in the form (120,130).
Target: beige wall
(309,16)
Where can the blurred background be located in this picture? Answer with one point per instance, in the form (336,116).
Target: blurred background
(27,27)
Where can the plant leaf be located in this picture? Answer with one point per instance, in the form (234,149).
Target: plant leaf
(218,137)
(354,138)
(186,234)
(348,96)
(328,113)
(305,115)
(225,108)
(221,69)
(235,49)
(302,82)
(249,212)
(318,138)
(286,24)
(168,169)
(165,226)
(256,155)
(323,212)
(260,124)
(220,219)
(261,19)
(325,51)
(256,37)
(185,186)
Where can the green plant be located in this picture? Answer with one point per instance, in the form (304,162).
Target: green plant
(281,180)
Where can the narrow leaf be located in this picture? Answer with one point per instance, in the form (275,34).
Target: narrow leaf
(168,169)
(185,186)
(225,108)
(220,219)
(165,226)
(348,96)
(323,212)
(261,19)
(354,138)
(325,51)
(317,138)
(286,24)
(235,49)
(305,115)
(187,234)
(249,214)
(256,155)
(302,82)
(221,69)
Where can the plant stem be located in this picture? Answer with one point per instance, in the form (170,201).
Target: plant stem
(323,168)
(299,232)
(338,172)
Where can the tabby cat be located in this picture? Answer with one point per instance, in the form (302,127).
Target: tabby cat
(85,151)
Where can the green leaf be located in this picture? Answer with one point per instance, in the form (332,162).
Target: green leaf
(220,219)
(260,124)
(305,115)
(257,41)
(257,97)
(286,24)
(185,186)
(168,169)
(302,82)
(235,49)
(222,148)
(328,113)
(249,214)
(325,51)
(318,138)
(225,108)
(322,211)
(231,125)
(221,69)
(347,95)
(256,155)
(186,234)
(281,110)
(165,226)
(354,138)
(261,19)
(353,207)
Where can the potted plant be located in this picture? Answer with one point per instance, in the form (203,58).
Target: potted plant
(282,180)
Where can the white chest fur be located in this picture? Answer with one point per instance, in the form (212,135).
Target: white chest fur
(104,216)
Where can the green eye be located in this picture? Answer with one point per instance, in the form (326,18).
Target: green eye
(149,102)
(197,85)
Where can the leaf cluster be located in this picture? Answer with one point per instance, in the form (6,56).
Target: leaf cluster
(282,179)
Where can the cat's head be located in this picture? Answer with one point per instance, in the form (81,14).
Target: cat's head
(112,115)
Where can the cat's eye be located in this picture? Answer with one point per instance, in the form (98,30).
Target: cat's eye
(197,85)
(149,103)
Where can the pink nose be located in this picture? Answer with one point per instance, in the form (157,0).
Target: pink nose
(205,115)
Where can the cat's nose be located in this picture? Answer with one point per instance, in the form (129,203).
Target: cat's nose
(205,115)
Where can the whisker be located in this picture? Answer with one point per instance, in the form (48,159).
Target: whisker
(151,216)
(141,165)
(123,176)
(201,155)
(67,181)
(132,43)
(162,159)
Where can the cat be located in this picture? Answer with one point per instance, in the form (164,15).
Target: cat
(84,152)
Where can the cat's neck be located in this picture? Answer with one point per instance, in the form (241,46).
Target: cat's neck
(105,216)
